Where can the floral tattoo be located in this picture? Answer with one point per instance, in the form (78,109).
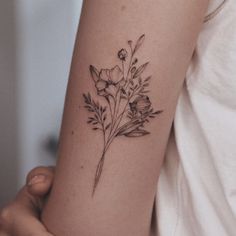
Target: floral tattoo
(128,108)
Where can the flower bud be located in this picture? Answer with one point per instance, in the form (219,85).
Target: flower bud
(141,104)
(122,54)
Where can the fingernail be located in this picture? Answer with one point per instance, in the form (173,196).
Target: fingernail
(37,179)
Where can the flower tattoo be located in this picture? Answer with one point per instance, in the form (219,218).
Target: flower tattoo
(128,108)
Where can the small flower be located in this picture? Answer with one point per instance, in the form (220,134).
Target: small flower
(140,105)
(122,54)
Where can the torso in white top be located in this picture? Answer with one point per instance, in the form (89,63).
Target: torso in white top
(196,193)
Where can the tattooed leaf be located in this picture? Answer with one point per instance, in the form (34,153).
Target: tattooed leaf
(87,99)
(96,116)
(94,73)
(140,70)
(144,91)
(133,69)
(139,43)
(140,81)
(108,126)
(130,43)
(88,107)
(147,79)
(146,85)
(129,127)
(123,90)
(157,112)
(135,61)
(137,133)
(105,117)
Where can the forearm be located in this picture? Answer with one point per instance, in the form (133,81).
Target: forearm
(105,179)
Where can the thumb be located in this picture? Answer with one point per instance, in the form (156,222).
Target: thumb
(38,184)
(39,181)
(25,217)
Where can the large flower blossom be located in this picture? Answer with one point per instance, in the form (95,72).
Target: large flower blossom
(109,81)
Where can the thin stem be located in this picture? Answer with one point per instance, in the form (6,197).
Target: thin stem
(123,68)
(112,118)
(131,58)
(118,98)
(115,121)
(99,171)
(108,143)
(114,114)
(122,113)
(104,134)
(101,163)
(129,68)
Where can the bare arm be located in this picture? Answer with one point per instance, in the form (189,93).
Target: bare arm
(110,155)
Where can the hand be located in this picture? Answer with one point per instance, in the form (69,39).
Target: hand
(22,216)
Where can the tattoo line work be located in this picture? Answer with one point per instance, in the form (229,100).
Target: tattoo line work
(124,91)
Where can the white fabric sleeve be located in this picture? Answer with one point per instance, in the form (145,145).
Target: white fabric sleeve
(215,6)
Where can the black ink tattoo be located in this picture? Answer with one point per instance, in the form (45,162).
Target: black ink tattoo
(124,91)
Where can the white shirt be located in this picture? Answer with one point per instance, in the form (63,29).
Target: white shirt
(196,193)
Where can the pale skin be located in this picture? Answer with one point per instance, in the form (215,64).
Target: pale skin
(123,201)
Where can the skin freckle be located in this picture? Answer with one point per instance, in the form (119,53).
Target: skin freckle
(123,8)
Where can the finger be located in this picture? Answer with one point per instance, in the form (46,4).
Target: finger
(39,180)
(25,220)
(27,223)
(3,233)
(40,170)
(5,220)
(19,218)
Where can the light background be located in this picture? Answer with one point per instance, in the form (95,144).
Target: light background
(36,43)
